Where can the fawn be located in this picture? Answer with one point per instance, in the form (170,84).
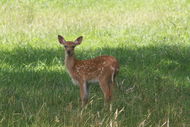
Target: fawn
(102,69)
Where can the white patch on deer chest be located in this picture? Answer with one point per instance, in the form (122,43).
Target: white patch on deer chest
(75,82)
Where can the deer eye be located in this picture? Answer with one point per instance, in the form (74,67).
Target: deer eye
(73,46)
(65,46)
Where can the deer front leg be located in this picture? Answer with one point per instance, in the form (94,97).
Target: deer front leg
(84,93)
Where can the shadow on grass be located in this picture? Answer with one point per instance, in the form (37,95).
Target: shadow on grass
(160,76)
(168,59)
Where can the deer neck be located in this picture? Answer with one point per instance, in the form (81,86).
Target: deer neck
(69,62)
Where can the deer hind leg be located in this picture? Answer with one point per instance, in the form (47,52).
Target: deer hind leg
(84,93)
(106,89)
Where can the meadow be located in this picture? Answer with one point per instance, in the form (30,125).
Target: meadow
(150,38)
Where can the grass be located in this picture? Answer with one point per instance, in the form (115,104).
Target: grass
(150,39)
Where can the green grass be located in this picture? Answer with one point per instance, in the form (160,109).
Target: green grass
(150,38)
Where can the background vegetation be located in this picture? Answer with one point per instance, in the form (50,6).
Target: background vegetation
(150,38)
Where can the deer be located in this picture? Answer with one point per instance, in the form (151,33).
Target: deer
(101,69)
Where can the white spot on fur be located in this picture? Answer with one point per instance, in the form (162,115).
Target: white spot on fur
(112,68)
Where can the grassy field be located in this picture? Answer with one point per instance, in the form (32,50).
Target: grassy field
(150,38)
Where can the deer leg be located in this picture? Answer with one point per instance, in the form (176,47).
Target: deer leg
(84,93)
(106,89)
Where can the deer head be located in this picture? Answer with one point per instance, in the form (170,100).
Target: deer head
(69,45)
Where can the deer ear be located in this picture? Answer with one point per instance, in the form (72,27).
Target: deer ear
(61,39)
(78,40)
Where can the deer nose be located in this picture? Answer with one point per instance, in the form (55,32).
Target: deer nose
(69,52)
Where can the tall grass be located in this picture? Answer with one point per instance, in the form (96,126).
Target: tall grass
(150,39)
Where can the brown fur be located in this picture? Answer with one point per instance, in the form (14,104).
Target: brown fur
(102,69)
